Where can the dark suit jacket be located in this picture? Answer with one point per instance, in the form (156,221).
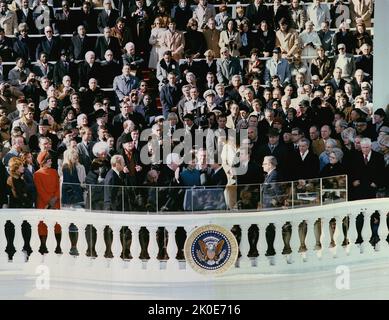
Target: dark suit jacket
(85,155)
(256,16)
(372,172)
(60,71)
(218,179)
(89,21)
(40,72)
(304,169)
(24,48)
(110,70)
(85,72)
(102,46)
(103,20)
(29,19)
(266,43)
(280,153)
(204,68)
(53,48)
(66,24)
(78,49)
(342,82)
(113,196)
(169,98)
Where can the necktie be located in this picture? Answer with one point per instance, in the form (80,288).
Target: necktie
(271,148)
(365,159)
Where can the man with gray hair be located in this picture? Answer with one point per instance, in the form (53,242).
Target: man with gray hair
(113,185)
(107,17)
(366,172)
(305,164)
(88,69)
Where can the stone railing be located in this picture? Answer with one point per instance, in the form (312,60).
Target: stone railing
(93,246)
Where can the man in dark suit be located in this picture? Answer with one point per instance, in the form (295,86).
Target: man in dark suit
(23,45)
(107,17)
(107,42)
(274,148)
(270,190)
(110,68)
(337,82)
(256,12)
(113,193)
(88,17)
(218,176)
(43,68)
(84,148)
(49,44)
(305,162)
(65,19)
(170,95)
(24,15)
(88,69)
(64,67)
(367,172)
(80,44)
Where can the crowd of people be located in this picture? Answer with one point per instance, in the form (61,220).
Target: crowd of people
(193,97)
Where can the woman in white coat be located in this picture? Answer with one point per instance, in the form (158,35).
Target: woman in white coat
(155,40)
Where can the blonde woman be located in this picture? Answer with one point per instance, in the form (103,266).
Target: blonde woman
(27,123)
(73,175)
(82,121)
(19,195)
(155,41)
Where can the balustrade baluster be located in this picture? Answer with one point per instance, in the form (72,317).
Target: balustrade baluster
(19,256)
(338,250)
(153,263)
(352,233)
(325,238)
(278,244)
(100,246)
(311,253)
(295,257)
(262,261)
(117,247)
(382,232)
(367,233)
(172,263)
(136,263)
(244,261)
(35,257)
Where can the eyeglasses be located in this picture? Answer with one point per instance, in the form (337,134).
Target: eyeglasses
(341,48)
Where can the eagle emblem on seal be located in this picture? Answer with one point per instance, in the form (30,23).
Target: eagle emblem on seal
(211,252)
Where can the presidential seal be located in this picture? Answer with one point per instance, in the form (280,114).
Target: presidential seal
(211,249)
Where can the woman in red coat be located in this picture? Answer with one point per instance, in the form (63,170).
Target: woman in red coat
(46,182)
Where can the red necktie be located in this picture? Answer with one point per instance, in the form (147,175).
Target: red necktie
(365,159)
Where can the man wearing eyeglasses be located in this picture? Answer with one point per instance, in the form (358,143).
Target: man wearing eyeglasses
(49,44)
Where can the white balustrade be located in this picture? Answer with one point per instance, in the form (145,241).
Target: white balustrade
(281,263)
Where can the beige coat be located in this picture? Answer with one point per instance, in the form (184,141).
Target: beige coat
(202,14)
(362,11)
(289,43)
(224,41)
(174,42)
(212,39)
(9,23)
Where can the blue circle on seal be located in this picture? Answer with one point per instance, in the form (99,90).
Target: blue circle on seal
(211,250)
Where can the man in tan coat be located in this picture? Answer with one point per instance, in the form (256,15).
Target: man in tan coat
(212,36)
(288,40)
(174,41)
(361,9)
(8,19)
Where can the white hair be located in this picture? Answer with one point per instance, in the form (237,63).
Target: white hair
(100,147)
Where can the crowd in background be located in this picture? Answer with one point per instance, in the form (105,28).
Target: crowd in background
(295,78)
